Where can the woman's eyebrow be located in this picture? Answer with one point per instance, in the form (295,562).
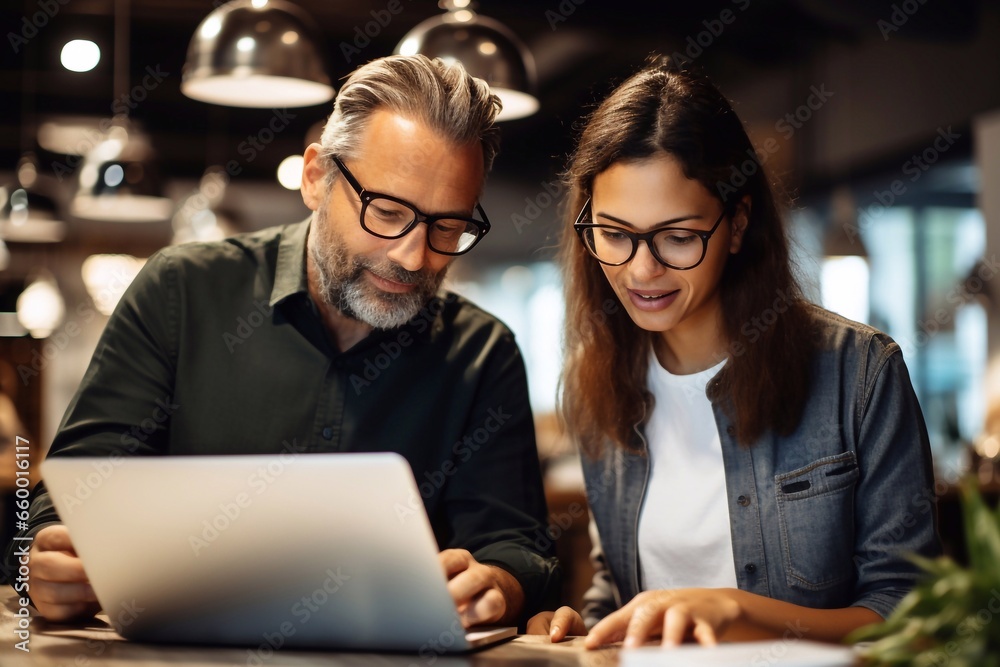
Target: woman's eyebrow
(672,221)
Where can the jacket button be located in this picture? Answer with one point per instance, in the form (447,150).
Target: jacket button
(743,501)
(730,430)
(328,433)
(750,568)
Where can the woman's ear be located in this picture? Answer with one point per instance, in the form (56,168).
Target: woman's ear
(738,224)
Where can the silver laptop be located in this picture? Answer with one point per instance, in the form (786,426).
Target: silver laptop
(268,552)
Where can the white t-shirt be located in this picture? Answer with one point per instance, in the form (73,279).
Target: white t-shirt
(684,533)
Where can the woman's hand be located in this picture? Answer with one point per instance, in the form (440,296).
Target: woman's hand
(702,614)
(557,624)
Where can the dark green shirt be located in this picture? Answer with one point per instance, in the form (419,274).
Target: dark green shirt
(217,348)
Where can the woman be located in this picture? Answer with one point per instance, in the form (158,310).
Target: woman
(755,465)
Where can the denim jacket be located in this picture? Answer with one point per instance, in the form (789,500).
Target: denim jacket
(821,518)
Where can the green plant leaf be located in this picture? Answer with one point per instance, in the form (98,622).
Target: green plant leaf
(939,566)
(948,618)
(982,531)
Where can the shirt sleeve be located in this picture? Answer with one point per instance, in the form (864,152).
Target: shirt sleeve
(895,510)
(495,504)
(124,404)
(600,599)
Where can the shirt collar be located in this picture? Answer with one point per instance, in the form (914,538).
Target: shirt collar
(290,272)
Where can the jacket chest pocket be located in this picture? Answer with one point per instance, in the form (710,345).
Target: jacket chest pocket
(816,513)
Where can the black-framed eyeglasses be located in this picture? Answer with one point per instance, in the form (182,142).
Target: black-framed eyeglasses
(389,217)
(673,247)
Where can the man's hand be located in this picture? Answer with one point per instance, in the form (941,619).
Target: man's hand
(59,586)
(557,624)
(701,614)
(483,594)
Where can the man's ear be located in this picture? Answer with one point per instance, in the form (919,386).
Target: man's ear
(739,221)
(313,177)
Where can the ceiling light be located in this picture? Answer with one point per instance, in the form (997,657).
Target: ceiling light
(80,55)
(70,135)
(256,53)
(486,48)
(844,274)
(198,217)
(106,278)
(40,307)
(290,172)
(27,214)
(118,182)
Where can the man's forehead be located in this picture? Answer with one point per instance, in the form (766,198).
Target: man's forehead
(403,132)
(404,157)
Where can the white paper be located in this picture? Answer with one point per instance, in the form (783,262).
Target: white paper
(776,653)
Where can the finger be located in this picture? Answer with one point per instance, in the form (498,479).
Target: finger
(676,623)
(61,594)
(454,561)
(610,629)
(61,612)
(57,566)
(566,622)
(486,608)
(53,538)
(466,585)
(646,620)
(539,623)
(704,633)
(65,612)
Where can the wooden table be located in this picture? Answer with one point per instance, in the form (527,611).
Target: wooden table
(96,644)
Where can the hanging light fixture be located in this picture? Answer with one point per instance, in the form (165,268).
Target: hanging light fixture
(106,278)
(118,181)
(845,274)
(256,53)
(199,216)
(40,307)
(28,215)
(485,47)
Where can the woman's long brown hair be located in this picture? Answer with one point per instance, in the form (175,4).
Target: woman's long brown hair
(668,110)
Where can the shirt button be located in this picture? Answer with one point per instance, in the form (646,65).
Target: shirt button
(743,501)
(328,433)
(750,568)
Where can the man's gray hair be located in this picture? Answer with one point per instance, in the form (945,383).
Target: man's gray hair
(442,95)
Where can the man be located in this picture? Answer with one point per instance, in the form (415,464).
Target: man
(330,335)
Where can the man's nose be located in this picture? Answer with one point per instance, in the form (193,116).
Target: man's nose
(410,251)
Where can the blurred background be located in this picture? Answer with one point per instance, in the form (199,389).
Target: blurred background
(129,125)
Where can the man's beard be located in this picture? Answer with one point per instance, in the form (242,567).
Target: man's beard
(342,285)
